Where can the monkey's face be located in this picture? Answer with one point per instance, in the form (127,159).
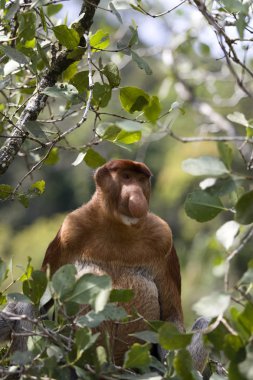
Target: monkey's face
(125,186)
(133,193)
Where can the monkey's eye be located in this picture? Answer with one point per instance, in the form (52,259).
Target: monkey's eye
(126,175)
(143,179)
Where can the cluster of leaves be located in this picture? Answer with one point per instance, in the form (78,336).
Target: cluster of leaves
(220,182)
(222,189)
(28,53)
(69,343)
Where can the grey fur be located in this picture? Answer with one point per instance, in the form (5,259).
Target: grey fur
(15,320)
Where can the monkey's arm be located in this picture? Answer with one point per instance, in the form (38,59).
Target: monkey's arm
(168,282)
(67,245)
(53,254)
(171,310)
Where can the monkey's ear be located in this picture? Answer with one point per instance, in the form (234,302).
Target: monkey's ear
(101,176)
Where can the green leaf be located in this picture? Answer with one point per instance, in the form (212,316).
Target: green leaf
(234,348)
(244,208)
(121,295)
(79,159)
(5,191)
(99,40)
(36,129)
(18,297)
(53,157)
(52,9)
(93,159)
(27,25)
(84,340)
(113,312)
(80,81)
(110,133)
(130,126)
(66,36)
(91,319)
(234,372)
(12,10)
(147,336)
(21,358)
(245,319)
(110,312)
(241,24)
(227,233)
(128,137)
(54,352)
(141,63)
(88,287)
(171,339)
(16,55)
(101,94)
(39,186)
(24,200)
(202,206)
(115,12)
(43,19)
(234,6)
(247,277)
(3,83)
(134,37)
(42,54)
(217,336)
(204,49)
(183,365)
(3,271)
(226,154)
(138,356)
(136,8)
(35,287)
(213,305)
(62,90)
(70,72)
(239,118)
(153,109)
(204,165)
(28,271)
(111,72)
(64,280)
(133,99)
(222,186)
(215,376)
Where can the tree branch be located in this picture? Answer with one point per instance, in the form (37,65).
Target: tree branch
(37,102)
(231,55)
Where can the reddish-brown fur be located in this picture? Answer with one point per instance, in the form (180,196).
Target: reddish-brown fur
(136,249)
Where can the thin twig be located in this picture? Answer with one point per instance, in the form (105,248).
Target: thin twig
(234,253)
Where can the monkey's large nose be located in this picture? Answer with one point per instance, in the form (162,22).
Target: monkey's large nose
(137,205)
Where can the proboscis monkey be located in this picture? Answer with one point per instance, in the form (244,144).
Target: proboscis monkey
(116,234)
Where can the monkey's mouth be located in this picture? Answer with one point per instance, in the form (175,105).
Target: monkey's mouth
(128,220)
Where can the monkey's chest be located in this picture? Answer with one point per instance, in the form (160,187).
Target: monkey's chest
(120,252)
(139,279)
(128,263)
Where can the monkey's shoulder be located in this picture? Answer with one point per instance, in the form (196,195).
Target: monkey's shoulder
(158,230)
(157,225)
(76,224)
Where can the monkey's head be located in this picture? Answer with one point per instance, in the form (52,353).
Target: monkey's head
(124,188)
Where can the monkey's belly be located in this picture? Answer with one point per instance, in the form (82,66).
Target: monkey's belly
(145,303)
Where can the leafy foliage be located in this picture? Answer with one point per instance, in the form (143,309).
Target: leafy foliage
(67,342)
